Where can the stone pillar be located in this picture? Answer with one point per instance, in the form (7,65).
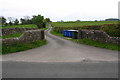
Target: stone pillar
(42,35)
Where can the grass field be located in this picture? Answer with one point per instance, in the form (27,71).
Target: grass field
(81,23)
(21,26)
(89,42)
(22,46)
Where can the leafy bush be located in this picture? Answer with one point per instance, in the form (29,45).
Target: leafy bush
(112,29)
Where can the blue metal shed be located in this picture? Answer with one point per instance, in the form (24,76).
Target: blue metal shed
(71,33)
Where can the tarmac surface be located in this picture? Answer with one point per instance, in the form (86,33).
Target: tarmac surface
(61,58)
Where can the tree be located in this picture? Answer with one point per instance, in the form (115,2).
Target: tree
(6,24)
(29,21)
(44,24)
(78,20)
(95,20)
(10,23)
(39,21)
(3,19)
(11,20)
(26,20)
(16,22)
(47,20)
(27,17)
(22,21)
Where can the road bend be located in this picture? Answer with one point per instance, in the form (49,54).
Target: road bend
(61,58)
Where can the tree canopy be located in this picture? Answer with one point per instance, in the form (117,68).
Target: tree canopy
(3,19)
(16,22)
(39,21)
(36,19)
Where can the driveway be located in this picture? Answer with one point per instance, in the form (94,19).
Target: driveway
(61,58)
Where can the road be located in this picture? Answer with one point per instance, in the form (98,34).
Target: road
(61,58)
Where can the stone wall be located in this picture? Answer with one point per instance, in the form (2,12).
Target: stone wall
(27,37)
(98,36)
(6,31)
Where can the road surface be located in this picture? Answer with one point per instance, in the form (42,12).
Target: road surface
(61,58)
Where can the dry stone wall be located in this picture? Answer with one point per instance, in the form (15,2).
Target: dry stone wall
(27,37)
(6,31)
(98,36)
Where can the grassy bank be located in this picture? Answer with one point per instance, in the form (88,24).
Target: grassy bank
(22,46)
(90,42)
(11,35)
(81,23)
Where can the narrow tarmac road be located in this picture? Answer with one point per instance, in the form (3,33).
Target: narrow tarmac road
(61,58)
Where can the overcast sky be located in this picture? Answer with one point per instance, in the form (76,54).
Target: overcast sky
(58,10)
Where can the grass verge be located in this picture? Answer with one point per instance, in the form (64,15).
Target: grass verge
(11,35)
(21,47)
(90,42)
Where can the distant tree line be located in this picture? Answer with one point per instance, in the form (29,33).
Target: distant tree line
(39,20)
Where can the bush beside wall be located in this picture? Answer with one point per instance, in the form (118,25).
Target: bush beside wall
(111,29)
